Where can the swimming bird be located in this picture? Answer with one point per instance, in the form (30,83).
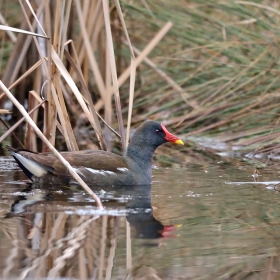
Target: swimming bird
(100,168)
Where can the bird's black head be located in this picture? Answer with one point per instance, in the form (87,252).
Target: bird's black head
(154,134)
(144,142)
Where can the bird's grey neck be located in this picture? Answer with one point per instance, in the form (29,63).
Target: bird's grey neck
(141,155)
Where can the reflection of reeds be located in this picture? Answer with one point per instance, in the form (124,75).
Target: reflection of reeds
(58,244)
(220,237)
(73,242)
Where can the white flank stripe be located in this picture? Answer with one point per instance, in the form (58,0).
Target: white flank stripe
(93,170)
(122,169)
(102,172)
(108,172)
(33,167)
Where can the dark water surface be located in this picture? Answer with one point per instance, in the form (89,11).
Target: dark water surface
(200,222)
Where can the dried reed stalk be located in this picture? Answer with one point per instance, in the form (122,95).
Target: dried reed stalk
(73,87)
(30,136)
(95,123)
(113,71)
(131,97)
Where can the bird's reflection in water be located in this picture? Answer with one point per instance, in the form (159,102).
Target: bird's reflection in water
(135,200)
(140,216)
(60,231)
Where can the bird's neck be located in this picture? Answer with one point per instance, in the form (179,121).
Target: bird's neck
(141,155)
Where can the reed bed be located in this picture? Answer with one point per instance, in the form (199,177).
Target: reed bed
(203,68)
(224,56)
(212,72)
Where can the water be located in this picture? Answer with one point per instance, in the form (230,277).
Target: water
(210,221)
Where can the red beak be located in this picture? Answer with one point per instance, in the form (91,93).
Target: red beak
(169,231)
(171,137)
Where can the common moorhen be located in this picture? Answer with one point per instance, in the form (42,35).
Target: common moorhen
(100,168)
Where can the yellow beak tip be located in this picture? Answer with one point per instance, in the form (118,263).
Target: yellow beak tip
(179,142)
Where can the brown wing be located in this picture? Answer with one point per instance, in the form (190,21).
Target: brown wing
(100,160)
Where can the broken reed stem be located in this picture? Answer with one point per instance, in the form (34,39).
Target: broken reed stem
(12,29)
(50,146)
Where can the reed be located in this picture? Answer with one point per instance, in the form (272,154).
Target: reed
(53,46)
(214,74)
(223,58)
(51,49)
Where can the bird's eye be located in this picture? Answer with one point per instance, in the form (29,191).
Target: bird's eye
(157,130)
